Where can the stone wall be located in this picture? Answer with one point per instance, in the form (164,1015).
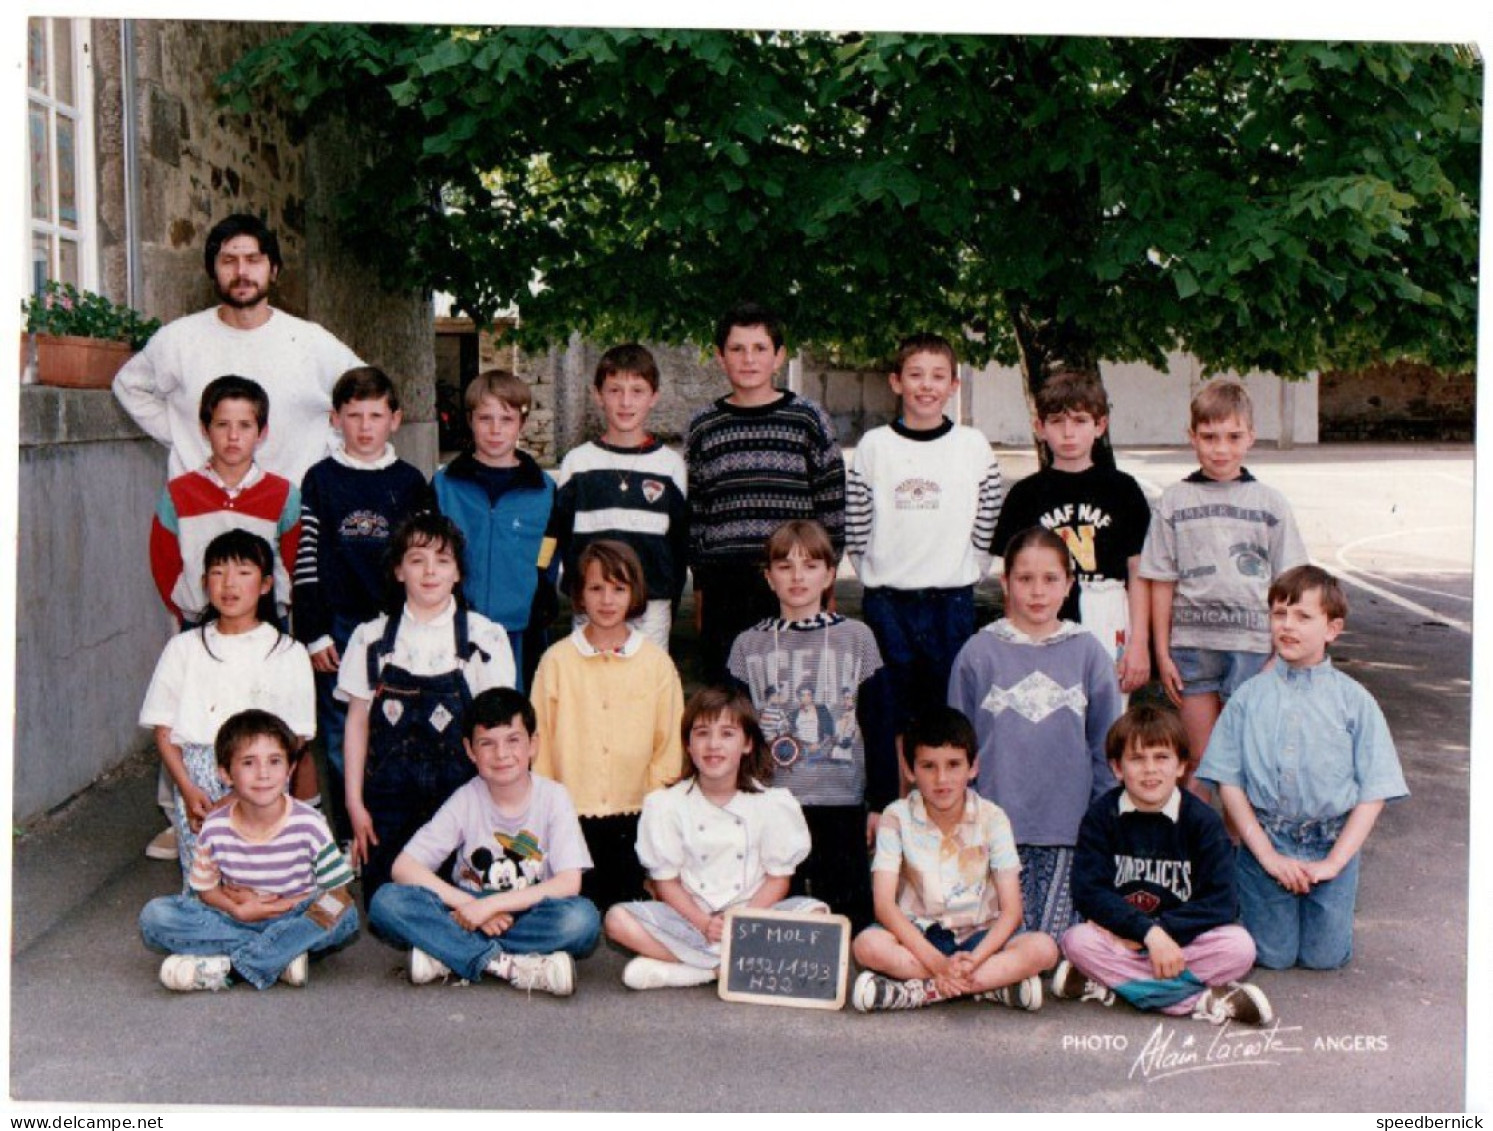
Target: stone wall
(1403,401)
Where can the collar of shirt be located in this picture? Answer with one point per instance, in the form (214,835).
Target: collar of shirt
(445,616)
(385,459)
(1305,676)
(967,820)
(818,620)
(251,477)
(1004,629)
(1172,808)
(1197,476)
(629,647)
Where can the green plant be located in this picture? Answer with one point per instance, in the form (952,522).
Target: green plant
(62,309)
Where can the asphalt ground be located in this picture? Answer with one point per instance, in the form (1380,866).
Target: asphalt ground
(90,1024)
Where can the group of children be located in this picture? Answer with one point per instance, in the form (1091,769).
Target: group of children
(1032,824)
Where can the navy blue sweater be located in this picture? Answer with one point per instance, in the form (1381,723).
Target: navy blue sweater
(1138,870)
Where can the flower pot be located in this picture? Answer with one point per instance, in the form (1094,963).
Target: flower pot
(79,363)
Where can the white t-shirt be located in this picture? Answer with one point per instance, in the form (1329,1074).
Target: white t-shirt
(428,648)
(297,362)
(198,684)
(498,852)
(721,854)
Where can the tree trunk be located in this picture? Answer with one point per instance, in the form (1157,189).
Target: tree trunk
(1049,346)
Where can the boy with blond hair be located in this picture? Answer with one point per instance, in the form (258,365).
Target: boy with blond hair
(500,499)
(1216,541)
(628,487)
(923,496)
(1304,762)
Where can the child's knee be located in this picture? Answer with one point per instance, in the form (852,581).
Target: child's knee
(619,924)
(579,924)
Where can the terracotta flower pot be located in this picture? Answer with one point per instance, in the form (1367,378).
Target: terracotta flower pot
(79,363)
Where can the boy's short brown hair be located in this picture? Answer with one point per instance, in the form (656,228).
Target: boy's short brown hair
(935,344)
(232,387)
(1147,724)
(244,727)
(746,315)
(618,562)
(1072,391)
(1220,399)
(627,358)
(940,726)
(502,385)
(1290,587)
(365,383)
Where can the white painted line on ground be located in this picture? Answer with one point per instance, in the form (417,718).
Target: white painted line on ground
(1347,574)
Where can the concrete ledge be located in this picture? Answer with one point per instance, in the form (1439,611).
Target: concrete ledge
(51,415)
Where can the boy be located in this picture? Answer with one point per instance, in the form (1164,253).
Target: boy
(1304,762)
(501,500)
(268,883)
(515,909)
(1216,540)
(948,896)
(229,492)
(1099,511)
(756,458)
(351,502)
(836,763)
(1154,876)
(923,495)
(627,486)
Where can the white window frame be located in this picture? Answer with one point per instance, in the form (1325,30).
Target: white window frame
(81,113)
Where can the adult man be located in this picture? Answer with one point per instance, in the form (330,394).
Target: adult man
(297,362)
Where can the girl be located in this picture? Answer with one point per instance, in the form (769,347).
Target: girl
(1042,694)
(714,841)
(608,703)
(833,750)
(408,679)
(235,659)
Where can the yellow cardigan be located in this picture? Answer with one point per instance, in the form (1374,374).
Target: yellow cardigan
(608,722)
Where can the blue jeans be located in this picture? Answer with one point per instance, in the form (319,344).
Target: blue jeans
(919,633)
(407,915)
(1314,930)
(1205,670)
(331,713)
(183,924)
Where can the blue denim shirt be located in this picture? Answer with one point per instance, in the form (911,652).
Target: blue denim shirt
(1305,744)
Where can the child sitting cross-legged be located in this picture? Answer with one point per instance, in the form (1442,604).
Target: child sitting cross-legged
(514,909)
(268,885)
(1154,876)
(945,879)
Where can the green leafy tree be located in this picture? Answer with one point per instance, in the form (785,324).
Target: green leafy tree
(1053,201)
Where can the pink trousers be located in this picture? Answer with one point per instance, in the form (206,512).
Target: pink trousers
(1215,957)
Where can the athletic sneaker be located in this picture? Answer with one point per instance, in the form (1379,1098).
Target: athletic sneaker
(162,846)
(187,972)
(425,969)
(643,973)
(874,992)
(548,973)
(295,974)
(1070,984)
(1025,994)
(1237,1001)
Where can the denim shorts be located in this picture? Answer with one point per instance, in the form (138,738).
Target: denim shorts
(1211,669)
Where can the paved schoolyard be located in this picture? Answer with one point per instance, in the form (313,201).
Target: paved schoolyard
(89,1022)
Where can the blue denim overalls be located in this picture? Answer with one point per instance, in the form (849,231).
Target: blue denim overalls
(415,755)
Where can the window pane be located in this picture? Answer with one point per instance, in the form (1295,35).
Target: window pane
(62,61)
(41,259)
(67,262)
(67,173)
(36,55)
(40,155)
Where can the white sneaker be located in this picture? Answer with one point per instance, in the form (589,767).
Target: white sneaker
(162,846)
(1025,994)
(874,992)
(295,974)
(644,973)
(1070,983)
(187,972)
(425,969)
(1237,1001)
(547,973)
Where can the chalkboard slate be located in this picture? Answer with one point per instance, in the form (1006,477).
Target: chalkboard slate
(782,958)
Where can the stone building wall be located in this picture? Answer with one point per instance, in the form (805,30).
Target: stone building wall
(1403,401)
